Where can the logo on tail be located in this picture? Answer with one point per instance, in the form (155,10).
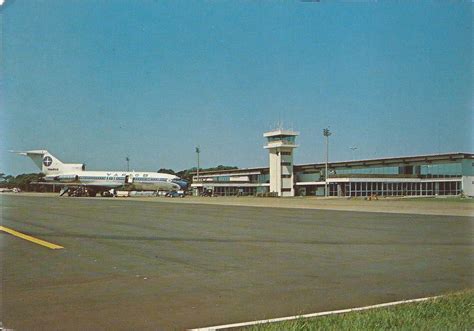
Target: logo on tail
(47,161)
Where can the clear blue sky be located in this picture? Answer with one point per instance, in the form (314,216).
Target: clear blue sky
(94,81)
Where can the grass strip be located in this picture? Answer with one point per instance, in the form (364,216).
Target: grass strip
(451,312)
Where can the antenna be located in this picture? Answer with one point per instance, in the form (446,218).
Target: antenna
(279,125)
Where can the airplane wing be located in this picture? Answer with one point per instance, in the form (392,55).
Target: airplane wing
(76,184)
(50,183)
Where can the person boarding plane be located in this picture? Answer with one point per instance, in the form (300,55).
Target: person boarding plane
(75,175)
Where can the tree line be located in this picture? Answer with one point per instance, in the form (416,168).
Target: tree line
(21,181)
(189,173)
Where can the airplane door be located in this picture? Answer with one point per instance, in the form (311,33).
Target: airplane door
(128,179)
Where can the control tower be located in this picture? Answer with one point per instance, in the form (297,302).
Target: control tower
(280,145)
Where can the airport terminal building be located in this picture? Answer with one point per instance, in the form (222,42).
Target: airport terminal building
(420,175)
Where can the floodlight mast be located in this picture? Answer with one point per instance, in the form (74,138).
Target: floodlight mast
(198,151)
(326,133)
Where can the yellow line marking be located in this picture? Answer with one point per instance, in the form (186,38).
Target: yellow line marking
(30,238)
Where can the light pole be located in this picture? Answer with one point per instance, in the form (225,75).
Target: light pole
(353,149)
(198,151)
(326,133)
(128,163)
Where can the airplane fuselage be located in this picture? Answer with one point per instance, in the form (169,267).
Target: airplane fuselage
(114,179)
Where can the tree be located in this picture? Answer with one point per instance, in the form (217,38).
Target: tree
(167,171)
(5,179)
(223,167)
(189,173)
(23,181)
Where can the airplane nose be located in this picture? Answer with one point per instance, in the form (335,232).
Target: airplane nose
(182,184)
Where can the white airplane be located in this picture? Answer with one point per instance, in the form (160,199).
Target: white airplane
(75,175)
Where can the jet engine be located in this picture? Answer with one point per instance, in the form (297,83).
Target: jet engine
(66,178)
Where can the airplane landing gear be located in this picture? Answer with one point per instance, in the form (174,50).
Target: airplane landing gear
(109,193)
(81,191)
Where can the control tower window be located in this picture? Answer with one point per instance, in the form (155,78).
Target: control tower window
(288,139)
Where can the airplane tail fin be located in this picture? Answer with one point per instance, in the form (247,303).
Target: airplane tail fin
(50,164)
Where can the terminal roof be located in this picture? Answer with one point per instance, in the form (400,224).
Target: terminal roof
(360,163)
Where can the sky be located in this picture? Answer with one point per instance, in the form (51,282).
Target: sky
(96,81)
